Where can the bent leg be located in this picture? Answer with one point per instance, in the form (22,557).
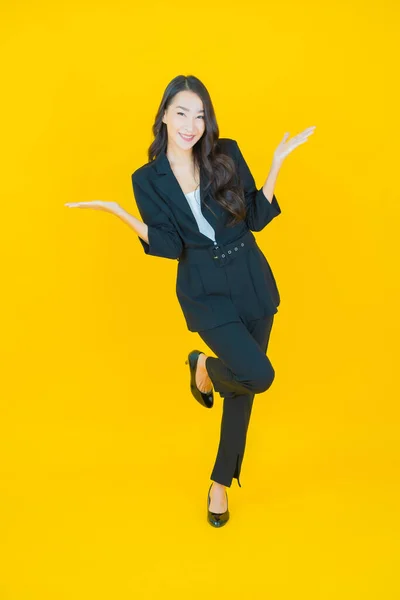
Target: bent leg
(241,350)
(242,365)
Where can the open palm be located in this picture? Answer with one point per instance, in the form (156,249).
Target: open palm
(287,146)
(110,207)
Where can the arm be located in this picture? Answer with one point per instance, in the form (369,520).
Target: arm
(162,237)
(137,225)
(260,210)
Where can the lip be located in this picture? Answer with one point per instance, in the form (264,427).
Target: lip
(187,139)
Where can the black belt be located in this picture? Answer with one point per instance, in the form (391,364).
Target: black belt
(219,254)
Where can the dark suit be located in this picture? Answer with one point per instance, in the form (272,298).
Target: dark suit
(226,289)
(209,296)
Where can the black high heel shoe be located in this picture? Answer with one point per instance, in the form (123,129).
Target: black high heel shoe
(204,398)
(217,519)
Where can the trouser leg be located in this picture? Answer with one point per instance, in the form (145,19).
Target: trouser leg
(241,370)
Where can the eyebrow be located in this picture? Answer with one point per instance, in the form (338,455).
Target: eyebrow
(202,110)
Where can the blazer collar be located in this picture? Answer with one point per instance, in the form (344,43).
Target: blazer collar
(170,187)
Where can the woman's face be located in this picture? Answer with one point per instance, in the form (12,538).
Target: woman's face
(184,117)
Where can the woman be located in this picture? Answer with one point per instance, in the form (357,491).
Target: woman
(199,205)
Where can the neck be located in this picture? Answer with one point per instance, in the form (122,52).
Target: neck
(178,157)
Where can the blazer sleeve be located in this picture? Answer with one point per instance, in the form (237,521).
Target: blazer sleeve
(260,211)
(164,239)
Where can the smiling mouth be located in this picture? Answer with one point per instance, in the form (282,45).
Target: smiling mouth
(187,138)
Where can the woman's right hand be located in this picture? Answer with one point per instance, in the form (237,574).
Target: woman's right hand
(111,207)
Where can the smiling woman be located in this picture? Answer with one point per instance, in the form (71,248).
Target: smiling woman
(220,280)
(200,204)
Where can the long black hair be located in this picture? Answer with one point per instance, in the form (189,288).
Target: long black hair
(219,168)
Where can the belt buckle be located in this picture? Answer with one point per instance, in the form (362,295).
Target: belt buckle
(220,256)
(216,255)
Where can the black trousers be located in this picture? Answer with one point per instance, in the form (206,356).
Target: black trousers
(241,370)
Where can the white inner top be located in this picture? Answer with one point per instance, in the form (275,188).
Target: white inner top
(204,226)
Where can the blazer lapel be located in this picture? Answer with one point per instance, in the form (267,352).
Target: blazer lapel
(170,189)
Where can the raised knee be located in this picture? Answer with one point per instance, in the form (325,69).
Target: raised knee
(264,380)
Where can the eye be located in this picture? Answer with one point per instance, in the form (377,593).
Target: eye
(181,113)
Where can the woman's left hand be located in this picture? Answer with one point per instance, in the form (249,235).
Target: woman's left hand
(286,147)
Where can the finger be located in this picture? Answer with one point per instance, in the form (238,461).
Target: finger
(309,130)
(303,135)
(81,205)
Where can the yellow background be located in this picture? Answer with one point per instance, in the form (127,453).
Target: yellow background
(105,455)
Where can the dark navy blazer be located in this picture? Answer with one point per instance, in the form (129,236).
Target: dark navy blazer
(245,287)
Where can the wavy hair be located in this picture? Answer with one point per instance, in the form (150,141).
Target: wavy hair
(219,168)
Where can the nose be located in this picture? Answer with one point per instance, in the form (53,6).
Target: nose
(190,126)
